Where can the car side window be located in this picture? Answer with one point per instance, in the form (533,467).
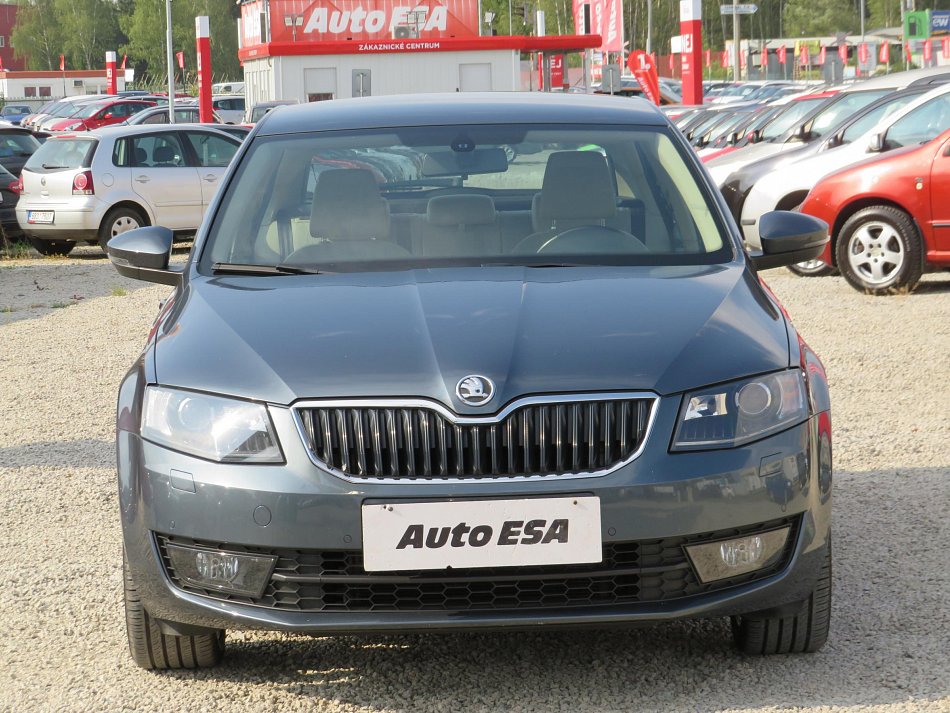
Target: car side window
(921,125)
(157,151)
(120,153)
(211,151)
(158,118)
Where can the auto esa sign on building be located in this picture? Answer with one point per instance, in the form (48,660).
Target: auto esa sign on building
(294,21)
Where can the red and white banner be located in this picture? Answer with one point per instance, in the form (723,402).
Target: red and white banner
(863,53)
(328,20)
(884,54)
(606,20)
(724,59)
(781,54)
(62,63)
(110,73)
(180,56)
(945,47)
(821,56)
(764,59)
(843,53)
(928,51)
(557,70)
(803,59)
(708,59)
(643,66)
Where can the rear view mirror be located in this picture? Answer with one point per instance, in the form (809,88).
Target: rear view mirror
(143,254)
(461,163)
(788,238)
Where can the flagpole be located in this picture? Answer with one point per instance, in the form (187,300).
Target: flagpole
(171,59)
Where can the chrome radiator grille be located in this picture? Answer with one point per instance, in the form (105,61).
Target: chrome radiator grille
(422,441)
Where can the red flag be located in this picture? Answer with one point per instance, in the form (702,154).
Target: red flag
(843,53)
(884,54)
(1,65)
(709,59)
(928,51)
(181,59)
(908,52)
(821,56)
(764,59)
(62,63)
(724,59)
(781,54)
(671,63)
(863,53)
(742,59)
(122,66)
(946,47)
(803,59)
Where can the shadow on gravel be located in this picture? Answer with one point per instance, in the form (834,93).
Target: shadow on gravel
(82,453)
(887,645)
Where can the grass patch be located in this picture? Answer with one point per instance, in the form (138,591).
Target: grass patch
(61,305)
(117,291)
(6,310)
(16,251)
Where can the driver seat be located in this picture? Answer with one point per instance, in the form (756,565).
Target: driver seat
(577,190)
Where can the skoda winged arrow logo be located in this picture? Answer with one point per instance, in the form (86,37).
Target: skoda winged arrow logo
(475,390)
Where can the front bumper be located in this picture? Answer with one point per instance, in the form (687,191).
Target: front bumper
(659,495)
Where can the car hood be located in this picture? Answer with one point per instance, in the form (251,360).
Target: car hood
(417,333)
(721,168)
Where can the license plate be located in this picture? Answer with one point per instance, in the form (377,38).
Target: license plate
(39,216)
(481,533)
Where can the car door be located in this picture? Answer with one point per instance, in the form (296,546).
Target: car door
(164,177)
(211,153)
(939,190)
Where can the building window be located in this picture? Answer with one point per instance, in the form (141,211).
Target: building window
(3,41)
(29,91)
(46,91)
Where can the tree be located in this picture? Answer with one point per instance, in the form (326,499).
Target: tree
(90,28)
(812,18)
(37,35)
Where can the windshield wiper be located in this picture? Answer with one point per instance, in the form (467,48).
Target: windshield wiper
(52,165)
(235,268)
(536,264)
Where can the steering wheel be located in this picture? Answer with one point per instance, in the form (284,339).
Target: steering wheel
(596,239)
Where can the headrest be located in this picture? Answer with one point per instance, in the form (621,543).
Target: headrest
(141,156)
(164,154)
(461,210)
(347,206)
(576,185)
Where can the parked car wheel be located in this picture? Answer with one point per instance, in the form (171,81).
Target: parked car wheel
(812,268)
(879,251)
(151,649)
(118,221)
(804,632)
(52,247)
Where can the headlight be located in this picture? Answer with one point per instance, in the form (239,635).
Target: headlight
(220,429)
(732,414)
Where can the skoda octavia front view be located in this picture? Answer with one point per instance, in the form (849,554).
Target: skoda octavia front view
(479,361)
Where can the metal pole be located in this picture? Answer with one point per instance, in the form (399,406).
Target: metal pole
(735,42)
(649,26)
(171,62)
(510,30)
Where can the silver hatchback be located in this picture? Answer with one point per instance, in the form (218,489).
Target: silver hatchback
(94,185)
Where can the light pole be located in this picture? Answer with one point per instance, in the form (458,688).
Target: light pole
(293,21)
(171,63)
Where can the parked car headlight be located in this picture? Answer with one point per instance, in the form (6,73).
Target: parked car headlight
(213,427)
(732,414)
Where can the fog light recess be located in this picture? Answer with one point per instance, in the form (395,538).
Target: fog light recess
(225,571)
(731,558)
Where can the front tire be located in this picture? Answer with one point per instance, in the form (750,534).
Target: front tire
(879,251)
(811,268)
(806,631)
(153,650)
(118,221)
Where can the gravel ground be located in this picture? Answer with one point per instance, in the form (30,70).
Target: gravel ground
(69,328)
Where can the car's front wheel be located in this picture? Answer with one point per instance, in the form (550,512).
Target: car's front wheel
(118,221)
(805,631)
(811,268)
(52,247)
(152,649)
(879,251)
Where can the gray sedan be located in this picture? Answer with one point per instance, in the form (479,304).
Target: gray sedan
(405,385)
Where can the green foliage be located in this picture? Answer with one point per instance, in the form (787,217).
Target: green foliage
(811,18)
(38,35)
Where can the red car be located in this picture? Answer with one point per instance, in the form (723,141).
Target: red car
(889,217)
(101,113)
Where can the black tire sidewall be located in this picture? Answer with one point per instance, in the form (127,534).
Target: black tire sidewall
(105,230)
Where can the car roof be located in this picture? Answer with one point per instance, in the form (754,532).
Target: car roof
(928,75)
(461,108)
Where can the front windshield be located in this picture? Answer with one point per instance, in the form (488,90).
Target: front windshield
(874,117)
(787,119)
(88,110)
(467,195)
(848,105)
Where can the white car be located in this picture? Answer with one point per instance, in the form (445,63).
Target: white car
(921,120)
(230,107)
(93,185)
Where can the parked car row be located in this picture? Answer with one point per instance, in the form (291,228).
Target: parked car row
(781,166)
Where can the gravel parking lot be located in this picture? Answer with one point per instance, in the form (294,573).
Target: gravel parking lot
(70,328)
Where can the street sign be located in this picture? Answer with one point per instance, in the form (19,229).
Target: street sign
(747,9)
(610,78)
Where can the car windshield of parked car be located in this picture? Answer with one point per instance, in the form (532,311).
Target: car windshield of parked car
(89,110)
(922,124)
(833,114)
(787,119)
(467,195)
(873,117)
(17,145)
(61,154)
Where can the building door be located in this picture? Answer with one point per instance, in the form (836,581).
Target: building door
(319,82)
(475,77)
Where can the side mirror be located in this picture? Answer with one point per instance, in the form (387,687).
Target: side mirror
(108,115)
(876,144)
(143,254)
(733,138)
(756,136)
(788,238)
